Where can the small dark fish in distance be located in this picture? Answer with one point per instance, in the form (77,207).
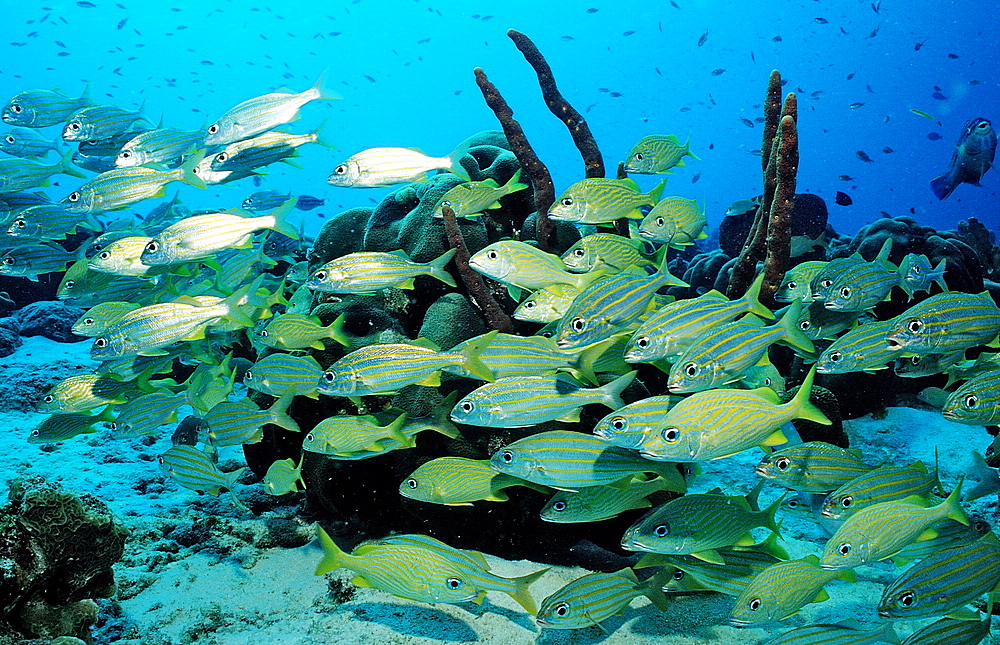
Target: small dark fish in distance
(876,6)
(863,156)
(843,31)
(846,178)
(820,21)
(917,46)
(717,72)
(675,6)
(874,33)
(694,180)
(933,136)
(953,56)
(661,74)
(369,77)
(121,23)
(603,89)
(747,122)
(851,75)
(704,37)
(887,150)
(939,96)
(975,82)
(85,4)
(616,94)
(843,199)
(776,39)
(629,32)
(593,10)
(308,202)
(423,40)
(855,105)
(869,88)
(567,38)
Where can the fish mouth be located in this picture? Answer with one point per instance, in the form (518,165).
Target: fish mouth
(760,471)
(739,622)
(884,614)
(894,343)
(949,414)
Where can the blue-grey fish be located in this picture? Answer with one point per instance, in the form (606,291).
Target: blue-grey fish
(471,198)
(265,149)
(42,108)
(590,599)
(571,460)
(943,581)
(601,201)
(861,349)
(951,631)
(368,272)
(974,154)
(657,153)
(262,113)
(234,423)
(888,483)
(93,163)
(378,167)
(522,401)
(596,503)
(812,467)
(916,366)
(819,323)
(123,187)
(278,373)
(22,174)
(946,323)
(163,145)
(782,590)
(13,203)
(976,402)
(100,122)
(48,222)
(859,285)
(917,274)
(882,530)
(19,142)
(987,478)
(742,564)
(146,414)
(32,260)
(843,633)
(629,425)
(949,534)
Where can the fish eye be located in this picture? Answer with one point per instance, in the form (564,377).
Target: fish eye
(454,583)
(529,304)
(671,435)
(836,356)
(36,433)
(221,157)
(9,139)
(793,503)
(844,548)
(446,203)
(566,201)
(579,253)
(9,261)
(329,376)
(691,369)
(507,456)
(561,609)
(467,406)
(639,156)
(906,598)
(88,321)
(340,170)
(75,127)
(16,109)
(782,463)
(754,604)
(913,326)
(492,255)
(792,285)
(767,381)
(248,376)
(125,154)
(619,424)
(662,530)
(971,401)
(101,342)
(310,438)
(826,283)
(642,342)
(412,483)
(104,255)
(69,284)
(212,129)
(805,324)
(578,324)
(980,527)
(660,221)
(74,196)
(48,398)
(320,275)
(678,575)
(20,223)
(915,360)
(113,425)
(845,292)
(846,501)
(559,506)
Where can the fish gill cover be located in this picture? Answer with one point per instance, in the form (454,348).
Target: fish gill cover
(581,344)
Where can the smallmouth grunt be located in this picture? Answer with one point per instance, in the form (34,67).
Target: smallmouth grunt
(657,153)
(377,167)
(601,201)
(370,272)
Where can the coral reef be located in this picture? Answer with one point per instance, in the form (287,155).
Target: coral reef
(50,318)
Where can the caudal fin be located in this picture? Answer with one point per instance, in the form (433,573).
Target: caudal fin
(281,223)
(613,390)
(522,595)
(187,170)
(801,405)
(437,265)
(333,556)
(793,335)
(943,185)
(471,354)
(279,410)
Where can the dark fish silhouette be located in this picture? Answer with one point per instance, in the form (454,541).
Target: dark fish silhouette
(704,37)
(717,72)
(974,153)
(934,136)
(843,199)
(863,156)
(846,178)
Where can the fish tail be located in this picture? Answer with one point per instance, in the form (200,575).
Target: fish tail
(588,356)
(335,330)
(670,477)
(889,635)
(687,149)
(653,588)
(436,267)
(233,302)
(654,195)
(613,390)
(188,175)
(953,506)
(801,405)
(471,360)
(752,298)
(455,161)
(988,478)
(514,183)
(333,557)
(938,274)
(769,513)
(522,595)
(280,411)
(281,224)
(66,166)
(669,279)
(85,95)
(793,335)
(440,417)
(943,185)
(883,253)
(395,430)
(321,91)
(321,135)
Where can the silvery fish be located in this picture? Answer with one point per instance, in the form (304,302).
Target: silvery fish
(369,272)
(718,423)
(860,285)
(32,260)
(387,367)
(946,323)
(291,331)
(885,484)
(123,187)
(699,524)
(457,481)
(201,236)
(951,631)
(917,274)
(100,122)
(976,402)
(795,283)
(522,265)
(48,222)
(284,477)
(880,531)
(675,221)
(601,201)
(98,318)
(262,113)
(42,108)
(93,163)
(974,154)
(861,349)
(265,149)
(596,503)
(522,401)
(146,414)
(471,198)
(548,304)
(163,145)
(18,142)
(203,171)
(571,460)
(629,425)
(657,153)
(21,174)
(988,478)
(943,581)
(783,589)
(594,597)
(813,467)
(378,167)
(195,469)
(603,250)
(278,373)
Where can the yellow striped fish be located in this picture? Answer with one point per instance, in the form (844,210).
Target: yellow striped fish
(742,564)
(813,467)
(343,435)
(283,477)
(863,349)
(950,534)
(629,425)
(657,153)
(520,264)
(471,198)
(123,257)
(676,222)
(597,503)
(42,108)
(291,331)
(84,392)
(195,469)
(378,167)
(819,323)
(946,323)
(603,251)
(278,373)
(123,187)
(880,531)
(976,402)
(234,423)
(60,427)
(885,484)
(163,145)
(861,285)
(369,272)
(602,201)
(548,304)
(21,174)
(917,274)
(266,148)
(782,589)
(795,283)
(146,414)
(511,355)
(951,631)
(457,481)
(98,318)
(597,596)
(96,122)
(848,632)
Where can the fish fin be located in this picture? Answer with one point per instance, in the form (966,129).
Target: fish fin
(496,496)
(654,587)
(514,183)
(746,540)
(588,356)
(793,335)
(281,224)
(431,380)
(938,272)
(67,167)
(963,613)
(572,416)
(776,438)
(654,194)
(441,417)
(522,595)
(514,293)
(943,185)
(437,268)
(821,596)
(471,354)
(612,391)
(395,430)
(360,581)
(883,253)
(954,508)
(321,91)
(801,405)
(335,330)
(333,557)
(405,284)
(188,175)
(280,411)
(455,161)
(711,556)
(752,299)
(847,575)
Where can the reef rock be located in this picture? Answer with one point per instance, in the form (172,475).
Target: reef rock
(49,318)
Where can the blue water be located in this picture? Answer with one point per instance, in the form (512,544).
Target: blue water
(191,61)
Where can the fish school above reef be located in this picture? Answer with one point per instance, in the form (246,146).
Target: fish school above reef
(479,352)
